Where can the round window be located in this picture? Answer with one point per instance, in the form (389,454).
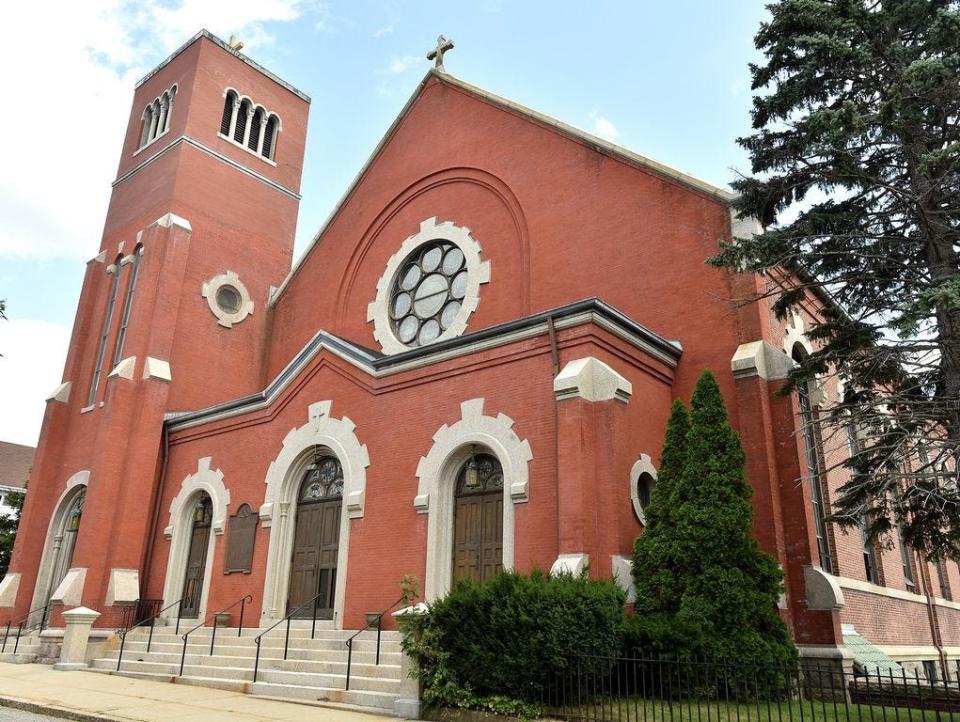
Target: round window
(228,299)
(428,292)
(645,486)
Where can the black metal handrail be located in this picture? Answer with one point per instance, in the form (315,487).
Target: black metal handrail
(379,624)
(286,639)
(123,633)
(243,601)
(25,619)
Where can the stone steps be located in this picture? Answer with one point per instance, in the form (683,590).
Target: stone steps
(314,671)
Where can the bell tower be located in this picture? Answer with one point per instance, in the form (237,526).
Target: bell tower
(172,317)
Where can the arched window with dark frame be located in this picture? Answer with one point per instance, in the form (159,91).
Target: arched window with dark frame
(240,129)
(270,137)
(256,128)
(128,304)
(147,125)
(105,333)
(814,456)
(226,120)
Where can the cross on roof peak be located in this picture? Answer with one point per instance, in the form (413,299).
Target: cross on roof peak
(443,45)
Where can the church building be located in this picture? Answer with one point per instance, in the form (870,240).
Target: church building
(469,369)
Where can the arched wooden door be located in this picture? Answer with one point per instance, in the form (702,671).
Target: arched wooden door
(197,557)
(478,519)
(316,544)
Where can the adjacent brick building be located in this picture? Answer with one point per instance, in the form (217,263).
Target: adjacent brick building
(470,368)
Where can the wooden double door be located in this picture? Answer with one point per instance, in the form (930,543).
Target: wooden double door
(478,520)
(316,545)
(197,558)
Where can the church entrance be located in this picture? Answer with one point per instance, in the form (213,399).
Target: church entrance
(478,519)
(65,542)
(313,570)
(197,557)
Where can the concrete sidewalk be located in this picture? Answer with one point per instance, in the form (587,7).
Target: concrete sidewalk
(92,696)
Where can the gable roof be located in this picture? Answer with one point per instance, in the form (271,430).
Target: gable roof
(15,463)
(598,144)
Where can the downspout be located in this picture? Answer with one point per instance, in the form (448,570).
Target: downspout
(155,504)
(932,616)
(555,358)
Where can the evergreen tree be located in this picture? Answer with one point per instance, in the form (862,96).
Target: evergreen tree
(857,119)
(652,569)
(8,530)
(723,588)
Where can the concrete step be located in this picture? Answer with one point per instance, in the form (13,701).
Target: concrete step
(230,685)
(21,657)
(329,681)
(317,645)
(248,635)
(362,665)
(360,654)
(376,701)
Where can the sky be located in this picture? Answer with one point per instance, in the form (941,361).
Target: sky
(668,80)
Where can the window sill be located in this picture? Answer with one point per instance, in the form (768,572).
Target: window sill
(254,153)
(144,147)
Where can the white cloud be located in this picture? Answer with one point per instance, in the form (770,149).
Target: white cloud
(603,128)
(68,109)
(402,65)
(32,365)
(386,30)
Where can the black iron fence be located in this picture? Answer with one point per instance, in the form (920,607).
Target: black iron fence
(659,689)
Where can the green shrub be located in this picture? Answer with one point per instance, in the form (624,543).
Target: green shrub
(513,636)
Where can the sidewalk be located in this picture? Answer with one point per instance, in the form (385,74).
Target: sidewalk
(91,696)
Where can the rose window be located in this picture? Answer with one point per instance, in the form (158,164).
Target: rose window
(428,293)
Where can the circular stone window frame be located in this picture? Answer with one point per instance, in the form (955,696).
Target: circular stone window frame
(641,466)
(212,287)
(478,272)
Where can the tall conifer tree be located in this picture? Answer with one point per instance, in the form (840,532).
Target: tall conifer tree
(723,587)
(857,122)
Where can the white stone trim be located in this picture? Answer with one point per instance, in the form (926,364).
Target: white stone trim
(823,591)
(796,334)
(623,576)
(51,546)
(154,368)
(209,291)
(478,272)
(124,586)
(760,358)
(893,593)
(172,219)
(180,527)
(572,564)
(70,591)
(437,473)
(591,379)
(61,394)
(278,512)
(641,466)
(124,369)
(9,586)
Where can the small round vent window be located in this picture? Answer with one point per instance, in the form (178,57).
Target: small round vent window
(228,299)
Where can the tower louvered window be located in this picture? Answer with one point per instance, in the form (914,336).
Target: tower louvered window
(243,111)
(156,117)
(105,333)
(256,128)
(249,124)
(269,137)
(228,105)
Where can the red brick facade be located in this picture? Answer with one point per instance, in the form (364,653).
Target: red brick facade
(560,217)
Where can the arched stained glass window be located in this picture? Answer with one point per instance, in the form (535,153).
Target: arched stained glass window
(323,480)
(481,473)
